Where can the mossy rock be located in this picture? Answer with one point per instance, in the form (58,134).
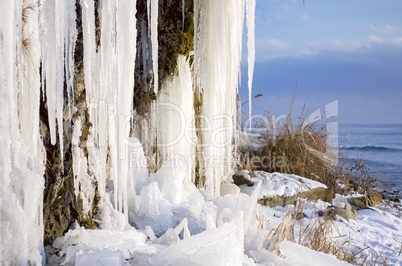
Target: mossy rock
(319,193)
(364,202)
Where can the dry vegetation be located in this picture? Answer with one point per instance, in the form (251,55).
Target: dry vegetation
(297,148)
(320,235)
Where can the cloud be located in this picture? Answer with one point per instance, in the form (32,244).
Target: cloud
(303,16)
(389,28)
(397,41)
(386,29)
(375,38)
(336,45)
(272,44)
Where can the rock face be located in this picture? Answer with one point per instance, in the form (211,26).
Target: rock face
(62,205)
(319,193)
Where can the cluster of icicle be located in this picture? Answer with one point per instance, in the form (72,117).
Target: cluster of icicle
(109,80)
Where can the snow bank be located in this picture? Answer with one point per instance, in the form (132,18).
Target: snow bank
(277,184)
(80,246)
(219,246)
(300,255)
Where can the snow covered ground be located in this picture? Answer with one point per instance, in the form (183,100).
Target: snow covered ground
(231,230)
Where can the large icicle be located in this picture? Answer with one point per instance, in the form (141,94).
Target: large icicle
(116,61)
(88,30)
(71,38)
(21,159)
(175,118)
(126,52)
(218,38)
(58,38)
(49,61)
(154,41)
(250,17)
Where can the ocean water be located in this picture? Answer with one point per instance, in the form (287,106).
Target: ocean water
(380,146)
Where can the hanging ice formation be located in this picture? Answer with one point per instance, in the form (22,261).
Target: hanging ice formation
(21,156)
(250,17)
(217,54)
(37,50)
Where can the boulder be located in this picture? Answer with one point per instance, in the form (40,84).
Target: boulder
(364,202)
(319,193)
(242,177)
(347,213)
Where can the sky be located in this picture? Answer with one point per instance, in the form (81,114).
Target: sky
(344,50)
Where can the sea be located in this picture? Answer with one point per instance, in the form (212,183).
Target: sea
(380,146)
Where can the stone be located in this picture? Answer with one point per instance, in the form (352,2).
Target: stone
(319,193)
(241,178)
(364,202)
(347,213)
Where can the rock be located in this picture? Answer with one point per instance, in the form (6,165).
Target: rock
(272,201)
(364,202)
(319,193)
(347,213)
(242,177)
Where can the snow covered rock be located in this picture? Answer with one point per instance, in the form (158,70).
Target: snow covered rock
(277,184)
(242,177)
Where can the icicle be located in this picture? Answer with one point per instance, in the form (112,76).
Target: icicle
(56,26)
(175,109)
(218,37)
(126,52)
(71,38)
(154,41)
(183,10)
(149,16)
(21,173)
(250,17)
(88,29)
(49,57)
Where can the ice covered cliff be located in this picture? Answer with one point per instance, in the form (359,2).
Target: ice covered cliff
(96,95)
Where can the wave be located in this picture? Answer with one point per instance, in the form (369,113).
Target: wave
(371,148)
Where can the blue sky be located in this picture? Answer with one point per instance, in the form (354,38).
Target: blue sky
(343,50)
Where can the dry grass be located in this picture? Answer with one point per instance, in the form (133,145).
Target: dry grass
(26,10)
(321,235)
(298,148)
(293,149)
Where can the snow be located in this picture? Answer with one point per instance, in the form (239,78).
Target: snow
(277,184)
(219,246)
(300,255)
(161,218)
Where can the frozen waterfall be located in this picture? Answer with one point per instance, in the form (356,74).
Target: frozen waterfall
(37,52)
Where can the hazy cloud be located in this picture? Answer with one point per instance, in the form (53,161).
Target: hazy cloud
(272,44)
(374,38)
(303,16)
